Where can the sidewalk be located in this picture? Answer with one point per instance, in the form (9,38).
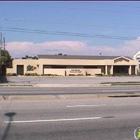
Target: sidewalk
(56,81)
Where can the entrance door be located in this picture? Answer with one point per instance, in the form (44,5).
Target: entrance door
(20,69)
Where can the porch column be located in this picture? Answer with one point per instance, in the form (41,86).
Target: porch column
(106,70)
(15,68)
(40,69)
(111,70)
(136,70)
(25,69)
(130,70)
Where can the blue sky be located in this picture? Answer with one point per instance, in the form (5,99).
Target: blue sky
(80,28)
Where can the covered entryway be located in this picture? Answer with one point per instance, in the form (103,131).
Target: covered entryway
(20,69)
(121,70)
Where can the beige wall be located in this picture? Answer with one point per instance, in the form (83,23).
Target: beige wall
(103,66)
(25,62)
(93,71)
(9,70)
(55,71)
(65,72)
(81,62)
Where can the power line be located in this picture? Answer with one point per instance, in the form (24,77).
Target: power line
(23,30)
(70,24)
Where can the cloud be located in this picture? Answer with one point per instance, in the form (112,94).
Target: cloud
(129,48)
(20,49)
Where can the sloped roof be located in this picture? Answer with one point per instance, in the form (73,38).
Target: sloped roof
(40,56)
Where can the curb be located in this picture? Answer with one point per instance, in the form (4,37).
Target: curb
(49,97)
(15,85)
(27,97)
(52,85)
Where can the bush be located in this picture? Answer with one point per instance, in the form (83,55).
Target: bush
(100,74)
(11,74)
(80,75)
(50,75)
(87,74)
(30,68)
(120,74)
(72,75)
(76,75)
(31,74)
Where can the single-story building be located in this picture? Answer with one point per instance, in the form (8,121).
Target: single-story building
(66,65)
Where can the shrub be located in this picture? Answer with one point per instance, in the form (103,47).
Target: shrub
(30,68)
(50,75)
(80,75)
(120,74)
(11,74)
(72,75)
(88,74)
(31,74)
(100,74)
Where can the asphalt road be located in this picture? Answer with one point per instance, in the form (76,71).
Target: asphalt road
(68,90)
(98,119)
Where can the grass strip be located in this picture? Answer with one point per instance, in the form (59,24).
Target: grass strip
(122,83)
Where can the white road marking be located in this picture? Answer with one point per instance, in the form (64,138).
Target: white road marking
(86,105)
(54,120)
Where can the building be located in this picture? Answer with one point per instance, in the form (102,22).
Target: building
(66,65)
(137,56)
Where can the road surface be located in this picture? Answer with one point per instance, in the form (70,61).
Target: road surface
(68,90)
(98,119)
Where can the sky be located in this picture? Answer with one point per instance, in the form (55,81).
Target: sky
(70,27)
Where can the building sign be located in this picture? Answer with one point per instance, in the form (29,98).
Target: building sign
(137,133)
(75,71)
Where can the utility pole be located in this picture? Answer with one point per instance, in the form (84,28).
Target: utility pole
(0,52)
(4,43)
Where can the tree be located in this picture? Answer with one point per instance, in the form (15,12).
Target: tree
(5,61)
(60,54)
(5,57)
